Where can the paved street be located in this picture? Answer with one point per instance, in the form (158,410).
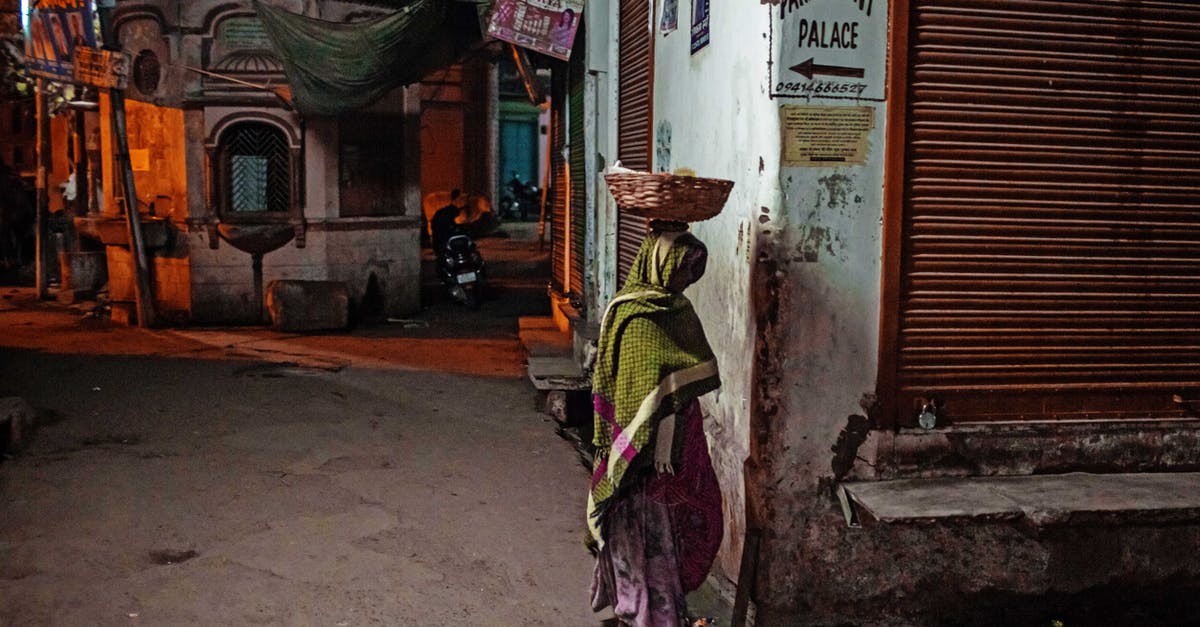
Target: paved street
(398,474)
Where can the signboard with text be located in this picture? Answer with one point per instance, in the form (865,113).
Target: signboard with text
(546,26)
(701,22)
(56,29)
(824,136)
(829,49)
(101,68)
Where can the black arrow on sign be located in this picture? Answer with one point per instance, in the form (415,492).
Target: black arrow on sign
(808,69)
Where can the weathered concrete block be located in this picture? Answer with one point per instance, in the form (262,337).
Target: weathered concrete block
(124,313)
(308,305)
(121,274)
(83,272)
(16,423)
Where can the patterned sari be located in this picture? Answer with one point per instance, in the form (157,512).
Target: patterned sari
(657,533)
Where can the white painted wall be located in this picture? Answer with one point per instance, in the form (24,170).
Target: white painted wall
(712,115)
(827,240)
(820,225)
(601,17)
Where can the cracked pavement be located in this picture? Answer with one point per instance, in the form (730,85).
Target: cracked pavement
(392,475)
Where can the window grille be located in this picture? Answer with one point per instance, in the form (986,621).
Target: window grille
(146,72)
(257,169)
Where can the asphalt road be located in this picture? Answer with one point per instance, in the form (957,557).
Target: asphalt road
(397,474)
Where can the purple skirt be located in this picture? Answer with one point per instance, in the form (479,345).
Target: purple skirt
(663,535)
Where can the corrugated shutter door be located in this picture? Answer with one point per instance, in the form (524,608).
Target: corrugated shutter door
(1051,264)
(634,112)
(576,158)
(559,184)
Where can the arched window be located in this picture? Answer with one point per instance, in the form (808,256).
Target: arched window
(146,72)
(255,170)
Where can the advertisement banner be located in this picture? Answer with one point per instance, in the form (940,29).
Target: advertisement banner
(546,26)
(700,24)
(55,30)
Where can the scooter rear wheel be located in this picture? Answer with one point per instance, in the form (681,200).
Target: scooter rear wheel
(471,295)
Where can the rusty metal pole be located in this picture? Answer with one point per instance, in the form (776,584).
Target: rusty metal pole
(42,208)
(137,247)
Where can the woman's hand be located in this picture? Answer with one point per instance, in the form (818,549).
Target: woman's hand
(662,445)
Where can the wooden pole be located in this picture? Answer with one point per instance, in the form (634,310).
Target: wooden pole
(42,209)
(137,247)
(83,178)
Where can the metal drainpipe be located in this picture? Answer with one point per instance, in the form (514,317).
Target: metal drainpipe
(142,290)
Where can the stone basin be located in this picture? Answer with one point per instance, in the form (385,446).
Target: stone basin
(256,239)
(113,231)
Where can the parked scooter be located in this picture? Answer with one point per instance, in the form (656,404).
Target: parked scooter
(519,198)
(462,270)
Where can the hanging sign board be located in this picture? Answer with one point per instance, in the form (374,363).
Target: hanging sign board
(546,26)
(56,30)
(101,68)
(829,49)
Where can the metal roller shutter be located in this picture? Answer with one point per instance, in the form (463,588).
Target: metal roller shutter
(1051,233)
(578,205)
(558,186)
(634,113)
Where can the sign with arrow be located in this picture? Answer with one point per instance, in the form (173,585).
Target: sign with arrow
(808,69)
(829,49)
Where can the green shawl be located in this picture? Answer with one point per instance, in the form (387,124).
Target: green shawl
(652,360)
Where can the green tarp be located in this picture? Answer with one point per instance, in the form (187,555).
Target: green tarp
(334,67)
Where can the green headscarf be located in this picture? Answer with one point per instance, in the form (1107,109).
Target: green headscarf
(653,359)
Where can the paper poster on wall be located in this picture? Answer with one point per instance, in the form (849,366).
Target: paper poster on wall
(139,159)
(700,23)
(546,26)
(829,49)
(825,136)
(670,17)
(55,29)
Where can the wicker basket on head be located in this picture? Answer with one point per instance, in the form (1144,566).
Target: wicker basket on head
(665,196)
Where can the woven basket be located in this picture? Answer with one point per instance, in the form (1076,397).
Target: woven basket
(665,196)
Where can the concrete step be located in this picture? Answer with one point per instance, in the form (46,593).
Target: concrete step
(1038,500)
(550,357)
(541,337)
(557,373)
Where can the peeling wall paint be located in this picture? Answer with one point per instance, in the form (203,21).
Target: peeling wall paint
(792,286)
(792,301)
(662,146)
(725,137)
(817,298)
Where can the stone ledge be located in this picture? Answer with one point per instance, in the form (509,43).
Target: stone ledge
(1037,501)
(1038,448)
(308,305)
(557,373)
(542,338)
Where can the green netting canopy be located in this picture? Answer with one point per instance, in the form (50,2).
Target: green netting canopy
(335,67)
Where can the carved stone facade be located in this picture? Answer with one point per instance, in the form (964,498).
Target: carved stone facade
(247,189)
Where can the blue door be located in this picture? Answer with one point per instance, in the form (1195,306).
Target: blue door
(518,151)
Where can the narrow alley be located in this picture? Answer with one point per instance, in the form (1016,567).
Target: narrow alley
(397,474)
